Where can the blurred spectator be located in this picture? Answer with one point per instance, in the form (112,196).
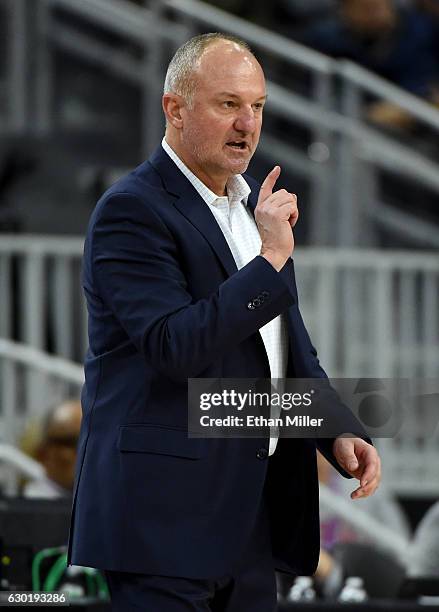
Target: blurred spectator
(305,10)
(397,43)
(423,555)
(56,451)
(381,506)
(431,7)
(334,530)
(431,10)
(257,11)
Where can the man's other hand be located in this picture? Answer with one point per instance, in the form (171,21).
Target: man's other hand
(276,213)
(360,460)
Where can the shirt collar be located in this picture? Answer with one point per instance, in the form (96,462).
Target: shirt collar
(238,189)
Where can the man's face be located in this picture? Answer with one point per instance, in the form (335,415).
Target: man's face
(58,452)
(59,458)
(221,128)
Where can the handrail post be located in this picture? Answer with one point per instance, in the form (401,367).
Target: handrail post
(152,118)
(321,187)
(44,70)
(17,90)
(346,201)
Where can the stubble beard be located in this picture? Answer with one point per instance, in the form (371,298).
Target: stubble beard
(205,159)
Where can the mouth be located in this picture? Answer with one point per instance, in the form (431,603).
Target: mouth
(238,145)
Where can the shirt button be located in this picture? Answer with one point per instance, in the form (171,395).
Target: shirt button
(262,453)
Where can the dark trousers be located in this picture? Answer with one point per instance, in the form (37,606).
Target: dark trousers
(249,587)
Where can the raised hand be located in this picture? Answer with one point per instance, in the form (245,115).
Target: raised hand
(276,213)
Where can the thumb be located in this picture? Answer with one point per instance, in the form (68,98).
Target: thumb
(352,463)
(269,183)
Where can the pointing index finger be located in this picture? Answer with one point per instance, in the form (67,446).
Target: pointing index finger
(269,183)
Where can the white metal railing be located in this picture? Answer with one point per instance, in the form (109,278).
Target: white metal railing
(14,463)
(31,383)
(41,301)
(363,523)
(370,313)
(346,199)
(373,313)
(376,314)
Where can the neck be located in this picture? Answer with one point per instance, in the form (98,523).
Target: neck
(217,184)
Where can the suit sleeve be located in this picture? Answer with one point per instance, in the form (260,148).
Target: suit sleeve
(136,272)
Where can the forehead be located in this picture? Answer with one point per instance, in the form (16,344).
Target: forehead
(227,66)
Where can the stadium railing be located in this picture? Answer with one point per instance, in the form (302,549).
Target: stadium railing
(342,162)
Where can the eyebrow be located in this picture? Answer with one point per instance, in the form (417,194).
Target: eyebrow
(227,94)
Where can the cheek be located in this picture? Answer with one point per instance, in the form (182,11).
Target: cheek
(216,127)
(216,132)
(258,129)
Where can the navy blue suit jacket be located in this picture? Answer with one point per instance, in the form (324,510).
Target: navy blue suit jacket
(166,302)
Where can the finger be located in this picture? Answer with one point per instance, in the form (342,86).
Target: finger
(371,485)
(370,488)
(370,467)
(286,211)
(269,183)
(374,482)
(365,491)
(281,197)
(357,493)
(349,459)
(293,217)
(344,450)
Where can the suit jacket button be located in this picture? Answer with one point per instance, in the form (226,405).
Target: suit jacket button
(251,306)
(262,453)
(265,295)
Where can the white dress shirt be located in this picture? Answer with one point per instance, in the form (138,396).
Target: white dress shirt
(241,233)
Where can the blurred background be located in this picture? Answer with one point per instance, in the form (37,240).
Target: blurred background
(353,119)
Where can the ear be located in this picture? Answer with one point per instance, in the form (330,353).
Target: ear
(172,105)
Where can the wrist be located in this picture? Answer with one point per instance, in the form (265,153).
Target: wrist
(276,260)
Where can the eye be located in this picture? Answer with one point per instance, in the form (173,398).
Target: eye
(258,106)
(229,104)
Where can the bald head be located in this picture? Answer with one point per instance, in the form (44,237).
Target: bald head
(184,68)
(57,451)
(64,421)
(223,58)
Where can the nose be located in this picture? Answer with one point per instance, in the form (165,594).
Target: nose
(245,120)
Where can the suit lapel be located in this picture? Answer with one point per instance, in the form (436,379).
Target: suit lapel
(252,199)
(193,207)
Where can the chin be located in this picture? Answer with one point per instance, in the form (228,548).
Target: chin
(238,167)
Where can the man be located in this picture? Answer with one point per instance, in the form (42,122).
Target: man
(181,282)
(56,451)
